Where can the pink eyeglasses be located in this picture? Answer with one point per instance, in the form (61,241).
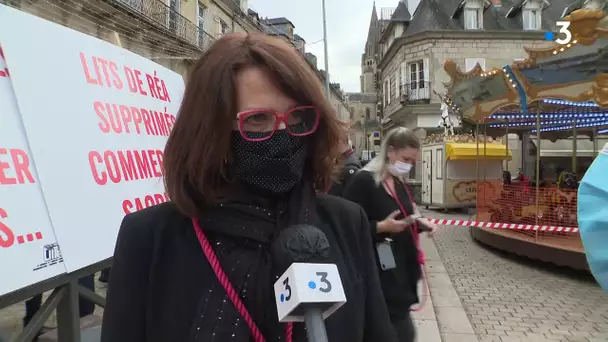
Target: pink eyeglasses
(260,125)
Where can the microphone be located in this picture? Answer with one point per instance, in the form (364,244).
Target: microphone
(310,290)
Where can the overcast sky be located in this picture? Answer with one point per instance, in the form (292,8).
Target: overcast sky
(347,25)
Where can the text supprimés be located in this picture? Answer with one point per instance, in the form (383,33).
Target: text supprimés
(116,166)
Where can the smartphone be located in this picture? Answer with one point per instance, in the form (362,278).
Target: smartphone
(385,256)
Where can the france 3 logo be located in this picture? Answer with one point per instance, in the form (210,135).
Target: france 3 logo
(564,35)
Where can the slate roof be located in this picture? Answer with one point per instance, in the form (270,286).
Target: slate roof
(279,21)
(436,15)
(401,13)
(362,97)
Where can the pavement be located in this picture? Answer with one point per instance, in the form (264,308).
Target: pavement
(11,317)
(510,298)
(476,294)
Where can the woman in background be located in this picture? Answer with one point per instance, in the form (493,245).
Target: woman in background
(253,141)
(395,223)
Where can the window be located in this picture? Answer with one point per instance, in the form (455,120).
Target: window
(393,87)
(439,164)
(531,19)
(386,90)
(368,114)
(223,27)
(175,5)
(396,84)
(469,63)
(417,75)
(202,13)
(473,18)
(203,39)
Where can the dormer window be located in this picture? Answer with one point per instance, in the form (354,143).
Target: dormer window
(531,13)
(531,18)
(473,18)
(471,12)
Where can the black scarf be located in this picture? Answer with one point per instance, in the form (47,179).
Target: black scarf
(242,230)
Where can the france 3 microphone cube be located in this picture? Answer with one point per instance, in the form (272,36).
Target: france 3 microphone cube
(307,285)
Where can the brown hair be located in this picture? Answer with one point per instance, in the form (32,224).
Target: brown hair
(197,154)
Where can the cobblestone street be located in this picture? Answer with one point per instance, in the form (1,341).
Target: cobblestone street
(509,298)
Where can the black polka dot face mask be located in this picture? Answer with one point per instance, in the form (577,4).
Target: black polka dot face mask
(276,164)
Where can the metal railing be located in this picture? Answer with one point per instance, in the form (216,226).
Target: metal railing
(64,299)
(415,91)
(166,18)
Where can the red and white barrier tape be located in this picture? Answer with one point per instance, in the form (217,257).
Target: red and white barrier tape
(513,226)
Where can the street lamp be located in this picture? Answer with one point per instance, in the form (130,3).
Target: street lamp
(327,93)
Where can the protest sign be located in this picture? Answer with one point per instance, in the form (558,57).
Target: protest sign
(97,118)
(29,252)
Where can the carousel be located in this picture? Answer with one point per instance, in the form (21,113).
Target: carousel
(510,116)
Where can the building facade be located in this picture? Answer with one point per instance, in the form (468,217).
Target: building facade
(173,33)
(365,122)
(155,29)
(415,43)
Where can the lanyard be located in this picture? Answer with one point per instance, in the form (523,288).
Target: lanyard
(393,193)
(230,291)
(414,226)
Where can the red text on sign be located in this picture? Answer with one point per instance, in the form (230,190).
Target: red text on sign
(3,72)
(15,167)
(158,89)
(128,119)
(134,80)
(7,237)
(133,205)
(125,165)
(100,71)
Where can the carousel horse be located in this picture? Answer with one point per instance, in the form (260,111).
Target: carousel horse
(445,122)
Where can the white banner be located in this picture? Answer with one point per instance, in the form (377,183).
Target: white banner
(97,118)
(28,249)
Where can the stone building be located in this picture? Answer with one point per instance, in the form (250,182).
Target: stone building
(283,27)
(173,33)
(366,127)
(365,122)
(422,35)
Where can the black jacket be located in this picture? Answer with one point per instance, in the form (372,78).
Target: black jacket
(160,270)
(351,166)
(399,285)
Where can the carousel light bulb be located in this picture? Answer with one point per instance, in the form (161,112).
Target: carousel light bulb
(574,41)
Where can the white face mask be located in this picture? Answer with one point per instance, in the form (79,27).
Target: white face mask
(401,168)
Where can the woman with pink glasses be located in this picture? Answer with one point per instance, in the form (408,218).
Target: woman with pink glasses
(254,143)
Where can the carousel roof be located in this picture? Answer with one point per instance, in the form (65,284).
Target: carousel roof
(568,79)
(554,115)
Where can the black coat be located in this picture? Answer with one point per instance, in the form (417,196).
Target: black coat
(399,285)
(352,165)
(160,271)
